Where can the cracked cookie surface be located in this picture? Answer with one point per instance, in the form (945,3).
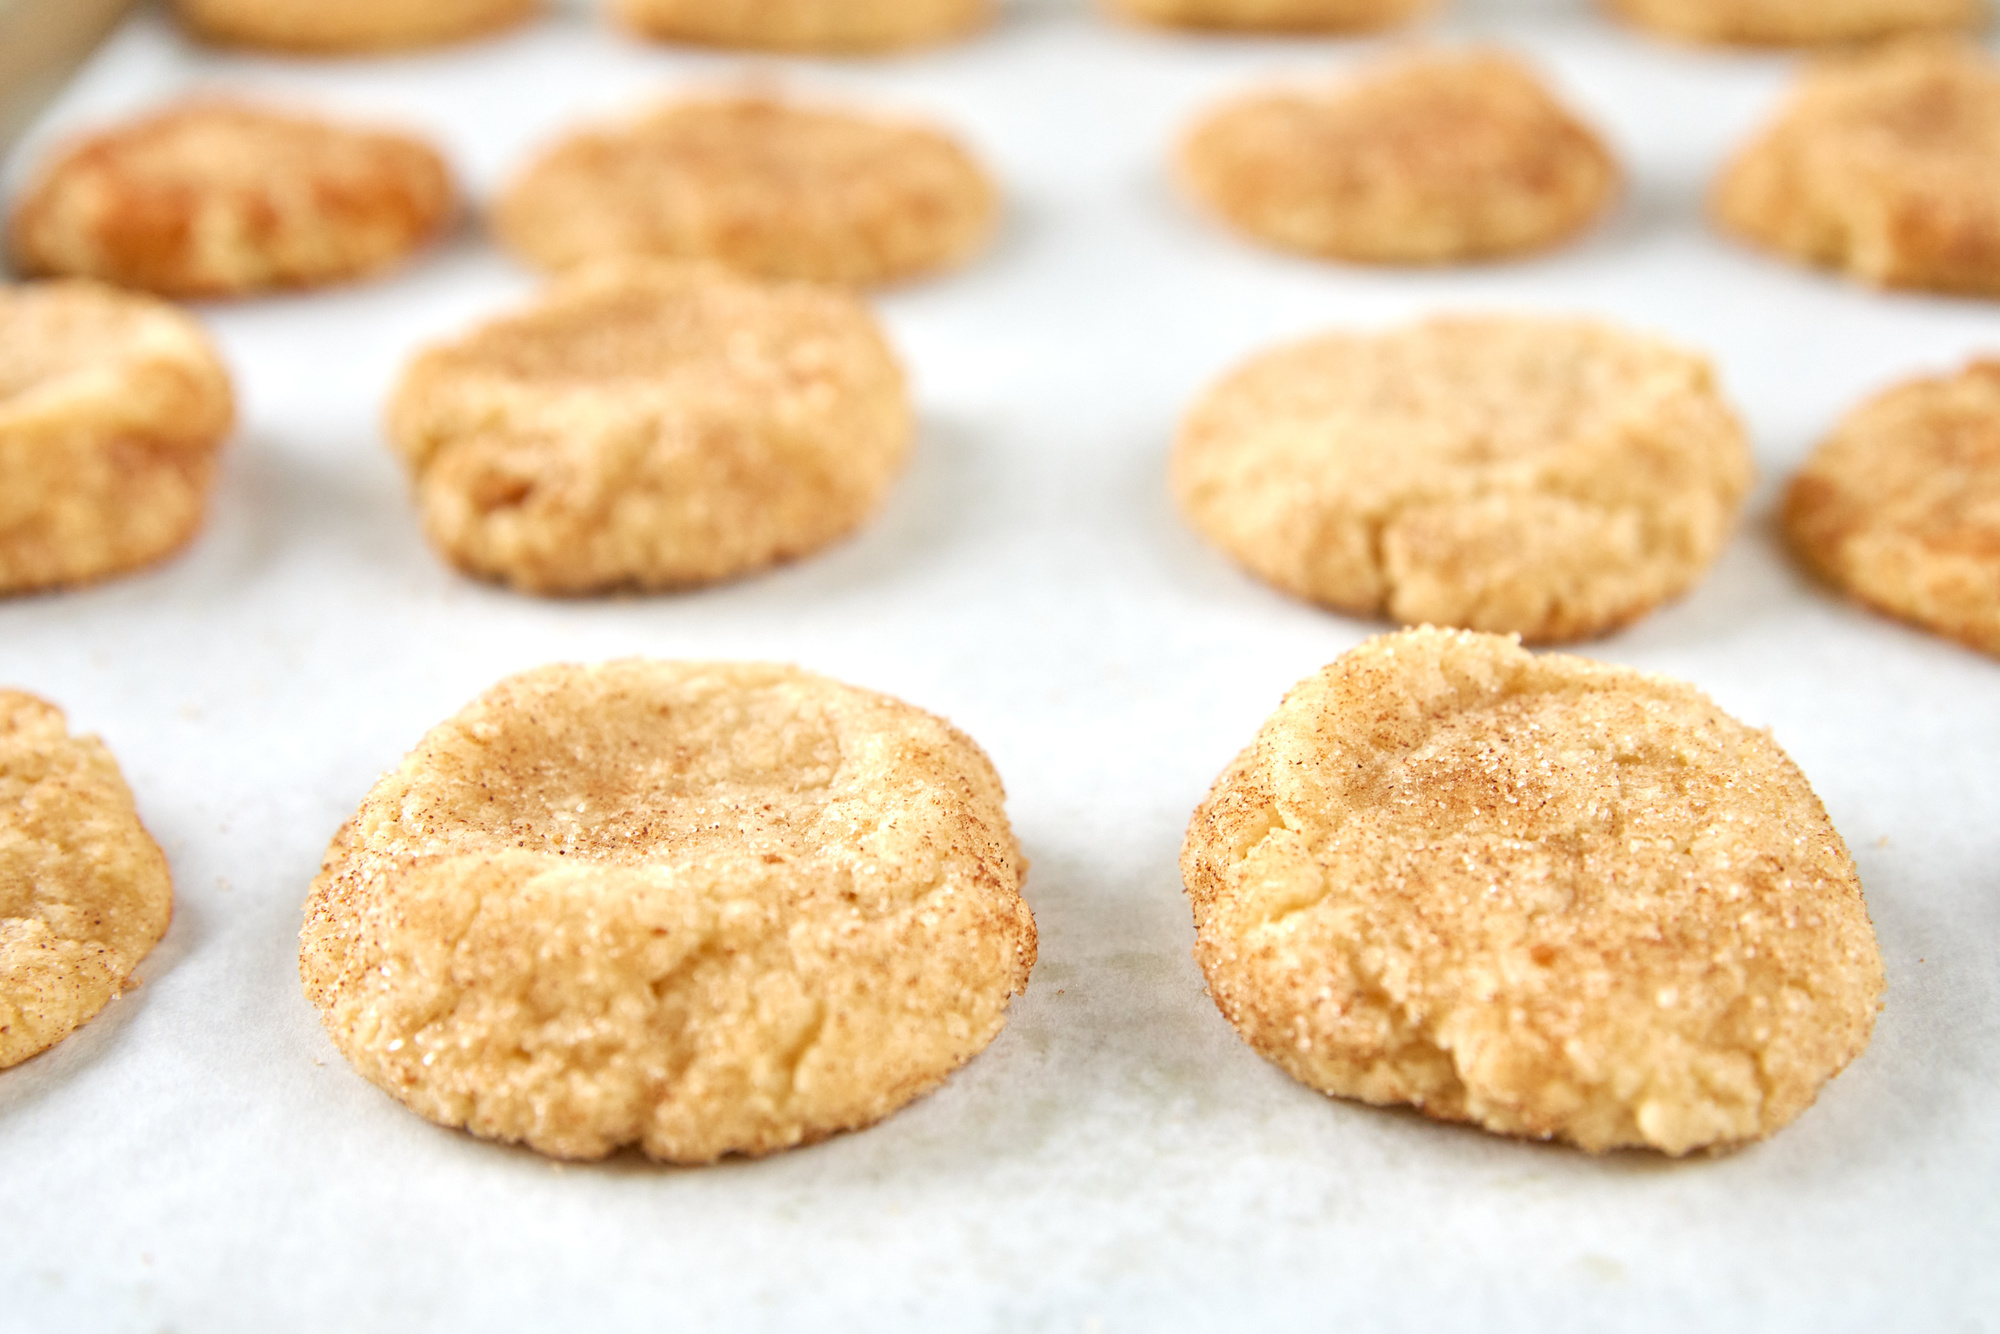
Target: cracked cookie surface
(1430,159)
(215,198)
(699,908)
(1884,164)
(1901,506)
(1554,898)
(113,407)
(84,891)
(1799,22)
(1550,478)
(765,186)
(652,425)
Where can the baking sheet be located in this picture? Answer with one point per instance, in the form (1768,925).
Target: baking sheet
(200,1157)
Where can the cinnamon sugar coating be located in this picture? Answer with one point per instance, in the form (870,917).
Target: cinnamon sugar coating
(700,908)
(1556,899)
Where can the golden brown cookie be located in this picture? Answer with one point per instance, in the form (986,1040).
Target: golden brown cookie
(1901,508)
(1885,164)
(764,186)
(651,425)
(1433,159)
(334,27)
(84,890)
(833,27)
(1275,15)
(112,409)
(700,908)
(1799,22)
(1550,478)
(1554,898)
(216,198)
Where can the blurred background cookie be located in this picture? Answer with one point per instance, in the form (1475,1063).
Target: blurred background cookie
(759,184)
(701,908)
(1799,22)
(1884,164)
(1275,15)
(215,198)
(1553,898)
(653,425)
(333,27)
(112,409)
(1431,159)
(1550,478)
(84,891)
(1901,507)
(833,27)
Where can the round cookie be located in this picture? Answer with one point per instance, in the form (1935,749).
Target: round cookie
(764,186)
(1901,507)
(1275,15)
(834,27)
(1799,22)
(1553,898)
(323,27)
(84,890)
(1433,159)
(1550,478)
(112,409)
(699,908)
(1885,164)
(652,426)
(211,199)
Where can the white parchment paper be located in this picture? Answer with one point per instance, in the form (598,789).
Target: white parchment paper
(199,1158)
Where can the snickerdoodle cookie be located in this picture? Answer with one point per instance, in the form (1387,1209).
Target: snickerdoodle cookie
(1554,898)
(112,409)
(698,908)
(835,27)
(762,185)
(1550,478)
(84,890)
(331,27)
(1901,507)
(1275,15)
(1799,22)
(214,198)
(651,425)
(1433,159)
(1885,164)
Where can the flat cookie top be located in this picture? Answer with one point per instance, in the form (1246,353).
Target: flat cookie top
(1902,505)
(831,26)
(1800,22)
(350,25)
(1556,898)
(1276,15)
(704,908)
(84,892)
(1552,478)
(1885,162)
(764,186)
(1425,159)
(215,198)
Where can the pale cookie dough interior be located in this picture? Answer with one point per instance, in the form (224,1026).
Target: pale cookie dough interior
(1884,164)
(700,908)
(1902,506)
(219,198)
(112,409)
(1551,478)
(764,186)
(1800,22)
(1430,159)
(831,26)
(1276,15)
(84,891)
(1554,898)
(653,426)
